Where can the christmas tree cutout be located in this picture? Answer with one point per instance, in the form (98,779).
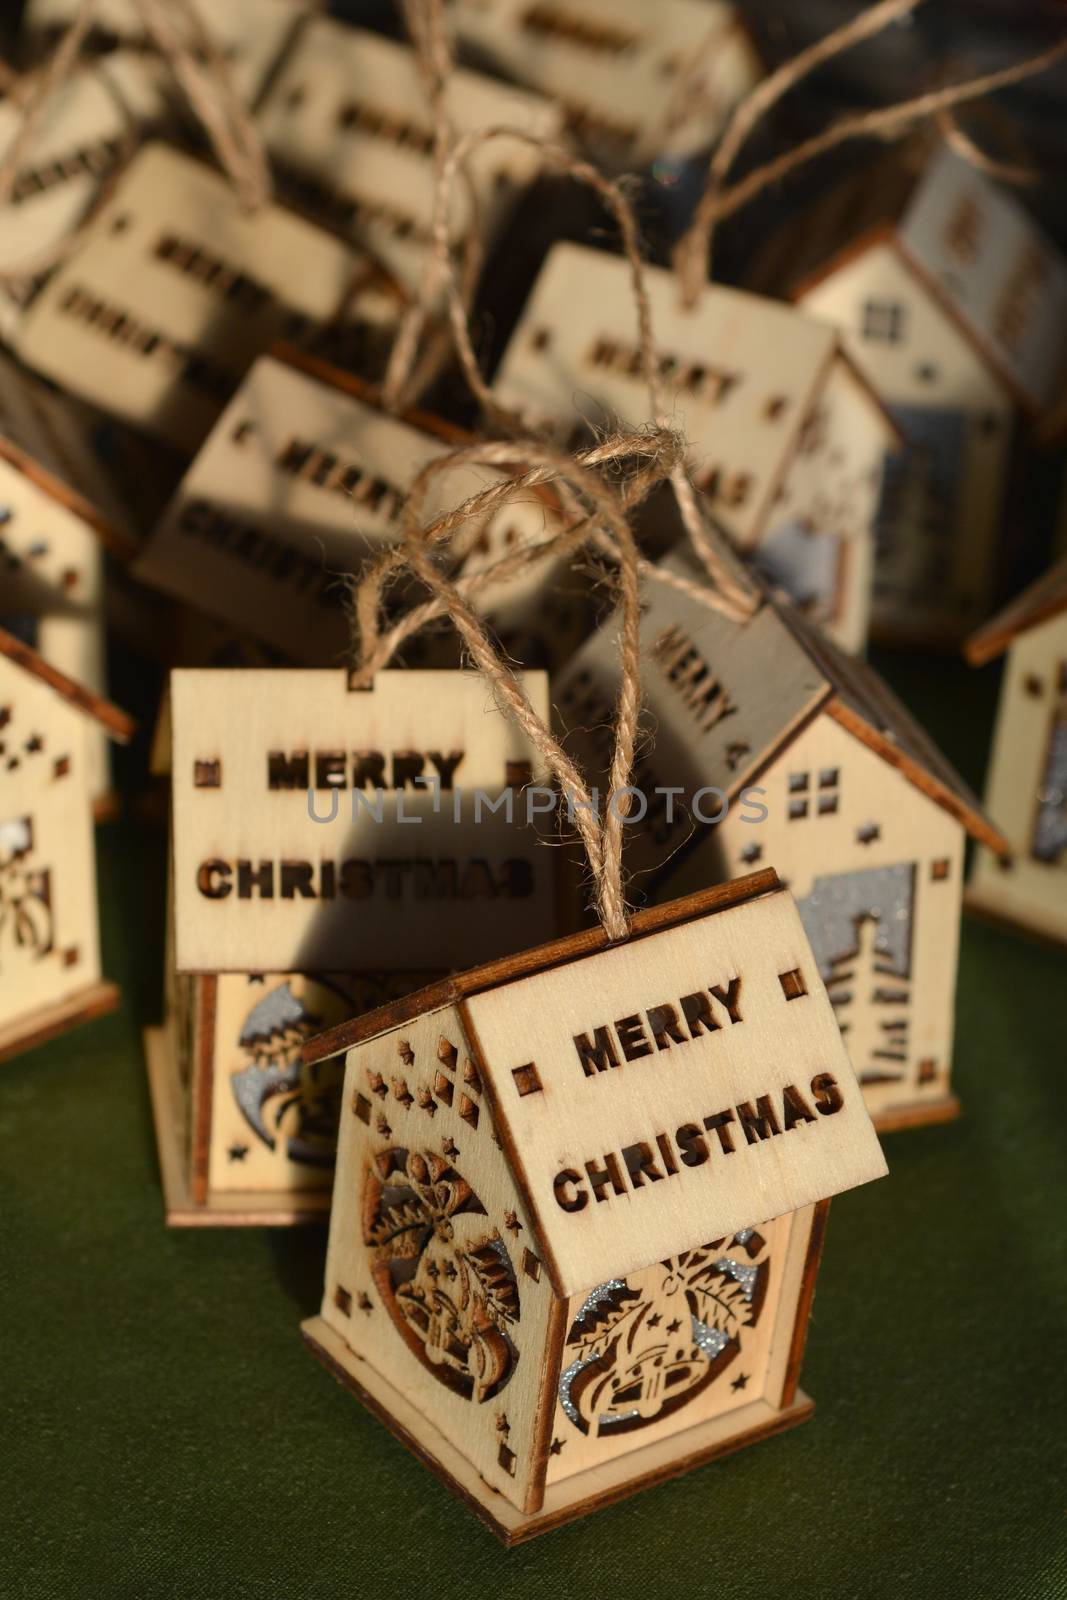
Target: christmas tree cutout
(870,1001)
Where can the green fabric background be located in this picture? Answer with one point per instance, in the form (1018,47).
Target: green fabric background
(166,1434)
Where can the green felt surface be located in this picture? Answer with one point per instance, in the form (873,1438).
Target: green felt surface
(166,1435)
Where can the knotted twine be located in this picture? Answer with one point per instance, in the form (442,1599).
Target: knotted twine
(605,505)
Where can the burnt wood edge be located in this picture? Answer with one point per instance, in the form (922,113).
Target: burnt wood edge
(545,1419)
(918,1114)
(49,1022)
(529,962)
(813,1256)
(993,639)
(117,723)
(115,540)
(800,1412)
(970,819)
(976,905)
(203,1086)
(512,1153)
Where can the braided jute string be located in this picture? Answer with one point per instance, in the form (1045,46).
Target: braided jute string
(600,829)
(729,593)
(375,646)
(692,255)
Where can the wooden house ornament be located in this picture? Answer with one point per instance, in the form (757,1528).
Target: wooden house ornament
(84,131)
(350,131)
(1026,789)
(302,480)
(580,1256)
(332,848)
(786,439)
(784,752)
(58,522)
(251,35)
(175,289)
(50,976)
(954,305)
(634,82)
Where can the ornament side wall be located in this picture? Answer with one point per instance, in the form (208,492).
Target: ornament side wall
(1026,790)
(942,500)
(49,941)
(430,1275)
(876,868)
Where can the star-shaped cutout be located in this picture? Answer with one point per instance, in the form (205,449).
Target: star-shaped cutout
(511,1222)
(741,1381)
(672,1327)
(34,743)
(364,1302)
(450,1148)
(450,1270)
(556,1446)
(868,833)
(502,1424)
(751,853)
(655,1320)
(237,1152)
(257,977)
(433,1271)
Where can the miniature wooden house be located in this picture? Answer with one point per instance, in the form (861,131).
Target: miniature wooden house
(175,288)
(350,130)
(570,1256)
(50,977)
(332,848)
(635,83)
(304,478)
(786,440)
(1026,789)
(53,541)
(784,752)
(954,306)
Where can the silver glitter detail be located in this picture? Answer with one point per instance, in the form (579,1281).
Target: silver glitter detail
(830,913)
(275,1013)
(711,1340)
(611,1420)
(745,1276)
(598,1295)
(743,1235)
(566,1378)
(1050,824)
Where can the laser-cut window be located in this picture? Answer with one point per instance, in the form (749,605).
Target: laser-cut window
(883,321)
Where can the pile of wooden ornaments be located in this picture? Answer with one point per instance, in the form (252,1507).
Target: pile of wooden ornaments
(582,1169)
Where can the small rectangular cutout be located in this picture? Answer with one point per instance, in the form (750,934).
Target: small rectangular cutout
(468,1110)
(797,809)
(526,1078)
(793,985)
(940,869)
(927,1070)
(506,1458)
(343,1301)
(361,1106)
(207,774)
(531,1265)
